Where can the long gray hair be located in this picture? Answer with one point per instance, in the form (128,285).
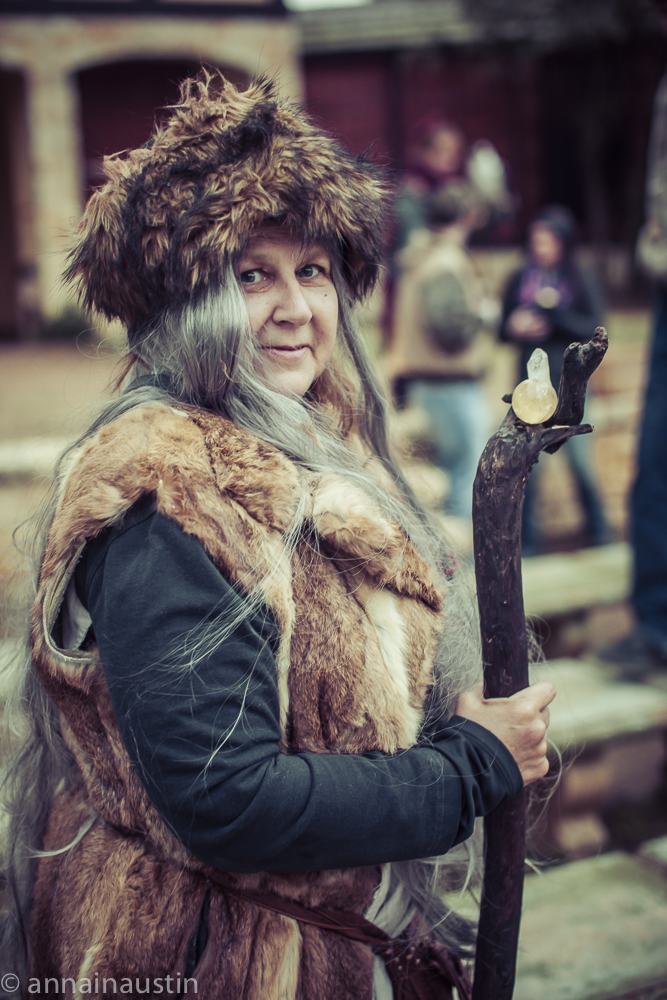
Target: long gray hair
(205,355)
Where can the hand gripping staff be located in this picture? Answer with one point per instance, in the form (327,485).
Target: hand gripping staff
(498,497)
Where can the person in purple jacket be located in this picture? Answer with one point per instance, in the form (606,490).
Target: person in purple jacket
(550,303)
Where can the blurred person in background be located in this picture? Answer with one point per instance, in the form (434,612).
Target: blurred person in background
(549,303)
(644,650)
(440,348)
(439,155)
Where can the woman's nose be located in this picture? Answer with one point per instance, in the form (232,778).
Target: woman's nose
(291,305)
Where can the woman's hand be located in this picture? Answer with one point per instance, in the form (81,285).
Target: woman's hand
(520,722)
(525,323)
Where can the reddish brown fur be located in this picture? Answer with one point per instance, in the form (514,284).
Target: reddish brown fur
(137,897)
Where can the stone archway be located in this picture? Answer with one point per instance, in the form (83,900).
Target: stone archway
(119,102)
(18,306)
(54,53)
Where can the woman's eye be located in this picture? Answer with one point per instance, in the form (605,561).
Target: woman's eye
(310,271)
(250,277)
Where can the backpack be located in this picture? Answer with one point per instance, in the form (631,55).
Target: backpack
(446,313)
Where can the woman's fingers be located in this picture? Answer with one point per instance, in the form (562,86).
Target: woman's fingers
(520,722)
(540,695)
(530,749)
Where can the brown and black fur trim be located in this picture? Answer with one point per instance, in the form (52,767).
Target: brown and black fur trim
(173,214)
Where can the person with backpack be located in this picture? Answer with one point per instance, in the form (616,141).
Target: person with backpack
(440,344)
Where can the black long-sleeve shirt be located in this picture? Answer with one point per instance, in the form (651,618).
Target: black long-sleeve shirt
(205,740)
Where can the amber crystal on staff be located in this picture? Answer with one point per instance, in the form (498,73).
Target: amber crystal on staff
(535,400)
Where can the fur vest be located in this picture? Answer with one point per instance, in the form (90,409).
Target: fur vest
(359,617)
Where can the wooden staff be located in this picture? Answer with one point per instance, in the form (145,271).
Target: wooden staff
(498,497)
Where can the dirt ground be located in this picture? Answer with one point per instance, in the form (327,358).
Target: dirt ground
(46,392)
(50,390)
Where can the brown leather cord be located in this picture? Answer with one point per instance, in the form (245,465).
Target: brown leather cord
(422,971)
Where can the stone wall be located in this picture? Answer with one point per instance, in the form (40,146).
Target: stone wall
(47,161)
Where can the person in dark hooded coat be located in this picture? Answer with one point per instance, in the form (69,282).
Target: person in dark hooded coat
(550,303)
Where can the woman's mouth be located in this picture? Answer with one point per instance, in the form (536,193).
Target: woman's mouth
(286,352)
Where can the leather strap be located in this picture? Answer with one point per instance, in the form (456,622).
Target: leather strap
(407,964)
(350,925)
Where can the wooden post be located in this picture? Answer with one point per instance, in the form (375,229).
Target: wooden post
(498,497)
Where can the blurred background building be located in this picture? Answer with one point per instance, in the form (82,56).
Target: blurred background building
(82,78)
(563,91)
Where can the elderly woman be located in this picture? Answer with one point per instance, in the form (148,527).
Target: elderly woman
(247,642)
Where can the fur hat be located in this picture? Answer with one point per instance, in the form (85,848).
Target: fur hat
(174,213)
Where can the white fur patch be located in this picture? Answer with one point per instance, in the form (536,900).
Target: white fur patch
(382,608)
(68,464)
(106,502)
(336,497)
(276,588)
(282,668)
(287,977)
(87,964)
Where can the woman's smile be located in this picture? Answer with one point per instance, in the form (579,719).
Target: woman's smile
(286,351)
(292,305)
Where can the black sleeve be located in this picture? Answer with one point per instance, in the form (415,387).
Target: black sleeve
(205,739)
(510,302)
(578,321)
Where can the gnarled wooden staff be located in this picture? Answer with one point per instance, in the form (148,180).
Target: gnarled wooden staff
(498,498)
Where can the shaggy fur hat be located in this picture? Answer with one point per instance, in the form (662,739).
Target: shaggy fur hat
(173,214)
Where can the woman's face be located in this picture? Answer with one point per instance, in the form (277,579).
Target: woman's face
(444,153)
(293,306)
(546,249)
